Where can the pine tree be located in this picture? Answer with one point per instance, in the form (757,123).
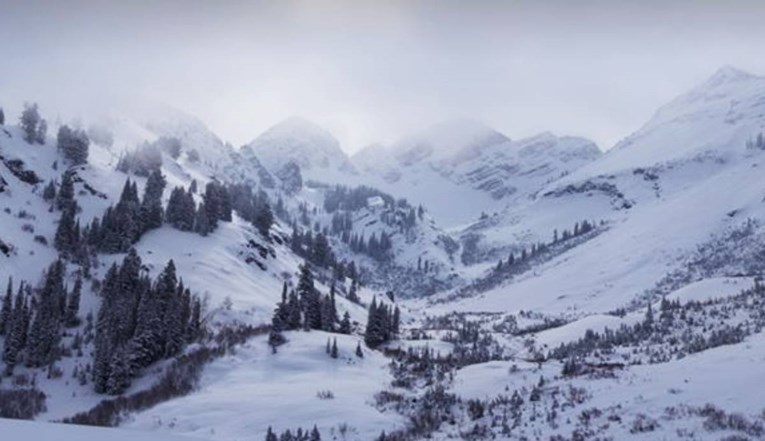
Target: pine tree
(315,436)
(73,304)
(106,330)
(65,240)
(333,351)
(151,207)
(173,321)
(282,309)
(202,223)
(120,373)
(374,333)
(7,309)
(359,351)
(118,320)
(333,304)
(65,197)
(328,314)
(2,117)
(42,132)
(44,335)
(275,336)
(321,250)
(173,211)
(30,119)
(108,238)
(352,295)
(17,332)
(217,204)
(49,192)
(121,225)
(294,309)
(270,435)
(73,144)
(345,324)
(195,321)
(309,298)
(264,219)
(226,206)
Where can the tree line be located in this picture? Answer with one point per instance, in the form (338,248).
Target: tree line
(140,321)
(383,323)
(72,143)
(32,323)
(305,308)
(123,224)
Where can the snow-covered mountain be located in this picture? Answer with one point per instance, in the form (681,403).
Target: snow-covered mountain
(466,161)
(631,307)
(678,212)
(300,142)
(716,117)
(235,270)
(125,125)
(691,174)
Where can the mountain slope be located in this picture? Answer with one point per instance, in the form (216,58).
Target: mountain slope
(124,126)
(716,118)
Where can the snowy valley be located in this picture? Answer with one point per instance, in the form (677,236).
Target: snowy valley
(455,284)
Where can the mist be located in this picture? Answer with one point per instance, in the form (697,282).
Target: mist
(376,71)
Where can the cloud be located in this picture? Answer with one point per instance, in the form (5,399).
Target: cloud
(373,71)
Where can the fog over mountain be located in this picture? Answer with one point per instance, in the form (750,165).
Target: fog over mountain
(377,71)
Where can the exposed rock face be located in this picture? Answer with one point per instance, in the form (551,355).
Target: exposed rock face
(291,178)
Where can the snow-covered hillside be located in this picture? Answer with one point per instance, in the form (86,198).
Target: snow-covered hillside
(16,429)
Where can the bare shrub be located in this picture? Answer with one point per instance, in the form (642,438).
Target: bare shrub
(21,404)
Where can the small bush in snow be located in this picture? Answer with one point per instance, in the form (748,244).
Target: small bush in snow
(717,419)
(24,214)
(325,395)
(475,409)
(643,423)
(384,397)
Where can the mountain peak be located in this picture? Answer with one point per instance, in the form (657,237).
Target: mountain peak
(298,124)
(730,73)
(301,141)
(727,75)
(452,139)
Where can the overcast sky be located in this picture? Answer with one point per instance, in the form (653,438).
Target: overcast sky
(373,71)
